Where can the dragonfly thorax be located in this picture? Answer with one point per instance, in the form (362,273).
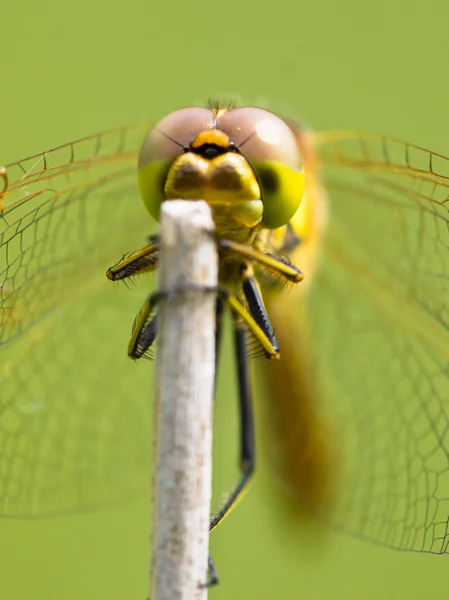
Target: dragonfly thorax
(226,182)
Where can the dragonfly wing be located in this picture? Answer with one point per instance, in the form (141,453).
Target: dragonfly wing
(377,315)
(74,410)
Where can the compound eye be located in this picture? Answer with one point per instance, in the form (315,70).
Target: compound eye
(261,136)
(271,148)
(174,132)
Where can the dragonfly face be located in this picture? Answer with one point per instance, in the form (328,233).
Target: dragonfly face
(245,162)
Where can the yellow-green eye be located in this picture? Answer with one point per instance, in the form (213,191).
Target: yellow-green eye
(271,148)
(162,145)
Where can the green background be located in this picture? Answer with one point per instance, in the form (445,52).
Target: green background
(70,69)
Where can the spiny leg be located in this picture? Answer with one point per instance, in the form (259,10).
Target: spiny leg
(145,325)
(281,266)
(219,308)
(238,310)
(256,306)
(258,323)
(212,574)
(141,261)
(255,320)
(144,330)
(146,259)
(247,423)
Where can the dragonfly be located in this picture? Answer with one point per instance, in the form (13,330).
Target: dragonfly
(333,254)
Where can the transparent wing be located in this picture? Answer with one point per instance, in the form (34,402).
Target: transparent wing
(74,410)
(379,323)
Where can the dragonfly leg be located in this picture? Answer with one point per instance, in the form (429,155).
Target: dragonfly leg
(144,331)
(269,345)
(219,307)
(247,447)
(256,306)
(136,263)
(145,325)
(212,578)
(281,266)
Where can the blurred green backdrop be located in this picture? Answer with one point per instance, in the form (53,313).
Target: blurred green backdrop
(70,69)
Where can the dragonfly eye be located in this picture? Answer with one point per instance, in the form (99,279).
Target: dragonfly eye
(261,135)
(167,140)
(271,148)
(173,134)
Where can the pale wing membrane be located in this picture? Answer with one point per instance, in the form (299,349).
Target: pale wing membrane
(379,324)
(50,221)
(74,409)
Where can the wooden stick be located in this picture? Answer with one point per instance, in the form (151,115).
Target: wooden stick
(184,403)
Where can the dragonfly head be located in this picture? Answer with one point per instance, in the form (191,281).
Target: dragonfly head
(244,162)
